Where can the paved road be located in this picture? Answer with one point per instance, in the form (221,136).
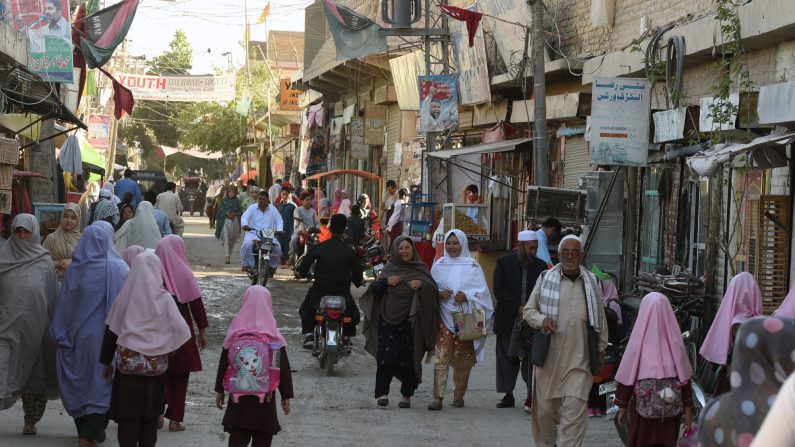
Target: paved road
(335,411)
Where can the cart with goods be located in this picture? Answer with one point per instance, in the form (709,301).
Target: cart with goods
(472,219)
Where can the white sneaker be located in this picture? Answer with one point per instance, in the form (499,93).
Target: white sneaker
(527,409)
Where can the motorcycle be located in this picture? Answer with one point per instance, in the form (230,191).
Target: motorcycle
(306,241)
(369,253)
(330,345)
(262,249)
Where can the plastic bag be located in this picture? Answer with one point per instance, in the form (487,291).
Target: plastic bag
(689,438)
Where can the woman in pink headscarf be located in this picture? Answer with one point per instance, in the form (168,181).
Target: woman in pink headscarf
(655,353)
(143,320)
(178,279)
(335,205)
(742,300)
(130,253)
(787,307)
(247,419)
(345,204)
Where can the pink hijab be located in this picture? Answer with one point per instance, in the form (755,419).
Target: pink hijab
(255,316)
(337,198)
(787,307)
(131,252)
(177,275)
(655,349)
(742,300)
(144,315)
(345,204)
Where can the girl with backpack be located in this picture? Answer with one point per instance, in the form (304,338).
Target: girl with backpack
(655,370)
(253,365)
(143,328)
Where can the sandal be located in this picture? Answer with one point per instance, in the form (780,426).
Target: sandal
(458,403)
(405,402)
(382,402)
(227,260)
(176,426)
(29,430)
(83,442)
(435,406)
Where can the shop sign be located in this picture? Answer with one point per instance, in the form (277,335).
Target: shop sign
(180,88)
(620,121)
(288,98)
(49,32)
(438,102)
(359,150)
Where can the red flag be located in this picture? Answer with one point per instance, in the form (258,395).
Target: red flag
(122,97)
(472,19)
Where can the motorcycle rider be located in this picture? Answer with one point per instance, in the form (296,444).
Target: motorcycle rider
(262,216)
(305,218)
(337,267)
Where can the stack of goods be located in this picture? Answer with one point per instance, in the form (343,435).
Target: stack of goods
(467,224)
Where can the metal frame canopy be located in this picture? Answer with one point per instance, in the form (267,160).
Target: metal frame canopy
(354,172)
(487,148)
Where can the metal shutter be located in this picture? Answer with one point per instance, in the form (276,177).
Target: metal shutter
(575,161)
(392,137)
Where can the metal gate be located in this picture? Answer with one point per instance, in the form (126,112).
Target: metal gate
(575,161)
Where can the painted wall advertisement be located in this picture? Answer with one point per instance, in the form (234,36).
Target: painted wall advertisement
(438,102)
(180,88)
(46,23)
(620,121)
(99,131)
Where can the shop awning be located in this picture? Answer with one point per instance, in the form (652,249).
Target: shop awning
(766,152)
(488,148)
(165,151)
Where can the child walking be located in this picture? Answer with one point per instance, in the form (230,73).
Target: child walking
(144,326)
(258,366)
(656,371)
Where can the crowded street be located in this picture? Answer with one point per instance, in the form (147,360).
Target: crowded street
(327,411)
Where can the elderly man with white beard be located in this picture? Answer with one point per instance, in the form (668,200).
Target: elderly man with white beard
(566,306)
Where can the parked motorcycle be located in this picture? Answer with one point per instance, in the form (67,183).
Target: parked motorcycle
(306,241)
(330,345)
(370,254)
(262,256)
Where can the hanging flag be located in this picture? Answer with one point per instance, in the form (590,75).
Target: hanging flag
(265,13)
(472,19)
(105,30)
(354,34)
(123,99)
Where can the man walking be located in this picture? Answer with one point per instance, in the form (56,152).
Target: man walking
(127,184)
(514,277)
(169,202)
(549,231)
(566,304)
(394,227)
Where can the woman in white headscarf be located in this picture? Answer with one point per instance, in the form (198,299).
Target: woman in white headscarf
(28,287)
(462,286)
(111,188)
(62,242)
(140,230)
(86,201)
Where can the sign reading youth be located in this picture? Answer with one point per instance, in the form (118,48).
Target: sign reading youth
(180,88)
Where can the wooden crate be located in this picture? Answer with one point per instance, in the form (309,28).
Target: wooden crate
(5,201)
(6,175)
(9,151)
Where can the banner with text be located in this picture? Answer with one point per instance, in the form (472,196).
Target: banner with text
(49,32)
(288,98)
(180,88)
(620,111)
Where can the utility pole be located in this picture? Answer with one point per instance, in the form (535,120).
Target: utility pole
(540,162)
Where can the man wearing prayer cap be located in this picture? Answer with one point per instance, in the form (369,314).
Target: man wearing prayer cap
(566,304)
(514,277)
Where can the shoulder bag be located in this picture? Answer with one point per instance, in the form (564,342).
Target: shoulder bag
(470,326)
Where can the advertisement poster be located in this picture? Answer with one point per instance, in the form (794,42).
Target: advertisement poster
(180,88)
(99,131)
(620,111)
(46,23)
(438,102)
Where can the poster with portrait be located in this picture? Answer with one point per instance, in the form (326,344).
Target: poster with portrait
(438,102)
(46,23)
(98,134)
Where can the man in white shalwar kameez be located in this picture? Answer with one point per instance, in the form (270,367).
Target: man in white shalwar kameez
(566,303)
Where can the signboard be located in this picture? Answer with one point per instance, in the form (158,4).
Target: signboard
(473,73)
(669,125)
(510,39)
(359,150)
(438,102)
(620,121)
(180,88)
(49,32)
(288,98)
(99,131)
